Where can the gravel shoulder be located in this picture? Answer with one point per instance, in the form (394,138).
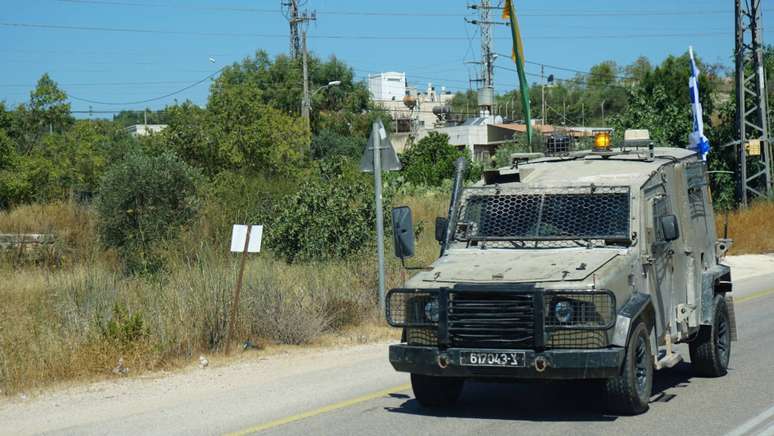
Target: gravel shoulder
(215,391)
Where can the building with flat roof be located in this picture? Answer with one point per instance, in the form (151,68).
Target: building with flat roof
(389,86)
(145,129)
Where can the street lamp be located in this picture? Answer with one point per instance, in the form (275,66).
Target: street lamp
(332,83)
(306,106)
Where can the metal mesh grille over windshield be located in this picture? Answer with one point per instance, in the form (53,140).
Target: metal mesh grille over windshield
(544,214)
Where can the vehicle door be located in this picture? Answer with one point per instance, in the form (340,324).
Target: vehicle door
(662,262)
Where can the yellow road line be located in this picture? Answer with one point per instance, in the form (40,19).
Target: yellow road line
(320,411)
(382,393)
(753,296)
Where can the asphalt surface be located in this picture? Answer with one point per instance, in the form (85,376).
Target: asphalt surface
(741,402)
(355,391)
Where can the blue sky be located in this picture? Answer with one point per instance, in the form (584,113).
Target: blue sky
(128,65)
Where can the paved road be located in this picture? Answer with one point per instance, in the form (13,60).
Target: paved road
(743,401)
(355,391)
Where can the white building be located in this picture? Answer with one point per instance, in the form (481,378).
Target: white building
(410,107)
(145,129)
(390,86)
(476,135)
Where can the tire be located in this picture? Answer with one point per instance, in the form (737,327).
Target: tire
(711,350)
(436,391)
(629,393)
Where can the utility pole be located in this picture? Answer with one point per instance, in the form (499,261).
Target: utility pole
(306,103)
(486,81)
(486,100)
(290,9)
(543,96)
(754,153)
(298,22)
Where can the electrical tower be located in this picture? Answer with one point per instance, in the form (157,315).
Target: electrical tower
(486,81)
(754,178)
(487,63)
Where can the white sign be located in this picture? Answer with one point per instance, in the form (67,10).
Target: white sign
(239,234)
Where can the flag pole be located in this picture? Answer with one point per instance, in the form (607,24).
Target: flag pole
(509,12)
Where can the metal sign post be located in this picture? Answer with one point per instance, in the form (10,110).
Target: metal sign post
(379,215)
(248,237)
(379,155)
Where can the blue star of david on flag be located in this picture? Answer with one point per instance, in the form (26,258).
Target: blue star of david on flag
(697,140)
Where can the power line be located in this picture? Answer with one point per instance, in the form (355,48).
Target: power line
(161,97)
(169,6)
(433,78)
(133,30)
(95,112)
(97,84)
(572,70)
(350,37)
(575,81)
(523,13)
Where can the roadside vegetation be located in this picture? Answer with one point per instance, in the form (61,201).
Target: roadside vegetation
(78,319)
(749,228)
(139,267)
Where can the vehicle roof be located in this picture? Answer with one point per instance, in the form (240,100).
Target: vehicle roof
(631,169)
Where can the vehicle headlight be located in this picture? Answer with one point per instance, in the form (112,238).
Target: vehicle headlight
(432,310)
(563,311)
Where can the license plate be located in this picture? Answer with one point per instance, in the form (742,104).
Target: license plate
(504,359)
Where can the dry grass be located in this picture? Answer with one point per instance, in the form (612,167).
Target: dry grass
(751,228)
(75,322)
(72,225)
(66,219)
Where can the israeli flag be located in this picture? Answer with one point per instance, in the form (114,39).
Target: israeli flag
(697,140)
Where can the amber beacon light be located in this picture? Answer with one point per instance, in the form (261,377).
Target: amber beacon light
(602,141)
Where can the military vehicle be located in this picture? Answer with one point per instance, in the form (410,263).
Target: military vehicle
(587,265)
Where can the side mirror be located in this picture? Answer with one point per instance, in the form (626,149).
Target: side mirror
(403,232)
(669,228)
(441,227)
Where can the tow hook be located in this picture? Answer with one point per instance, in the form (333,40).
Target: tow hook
(541,364)
(443,360)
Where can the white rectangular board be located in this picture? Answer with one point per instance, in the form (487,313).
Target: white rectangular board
(238,235)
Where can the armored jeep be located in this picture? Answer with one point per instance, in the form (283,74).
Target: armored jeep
(590,265)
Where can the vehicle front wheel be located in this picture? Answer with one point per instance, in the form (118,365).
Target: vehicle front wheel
(629,392)
(433,391)
(711,350)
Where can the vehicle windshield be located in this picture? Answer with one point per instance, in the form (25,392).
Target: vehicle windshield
(556,214)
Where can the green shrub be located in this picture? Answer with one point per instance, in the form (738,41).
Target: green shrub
(331,215)
(239,197)
(123,327)
(143,201)
(431,161)
(328,143)
(503,154)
